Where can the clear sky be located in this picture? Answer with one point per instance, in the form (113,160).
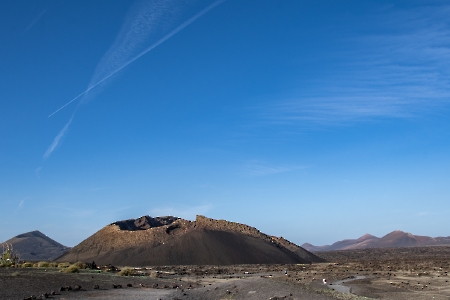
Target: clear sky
(312,120)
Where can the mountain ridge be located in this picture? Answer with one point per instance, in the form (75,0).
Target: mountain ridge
(35,246)
(396,238)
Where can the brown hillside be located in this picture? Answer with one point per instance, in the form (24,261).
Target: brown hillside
(396,238)
(35,245)
(173,241)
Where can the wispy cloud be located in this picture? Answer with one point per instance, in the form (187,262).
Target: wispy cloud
(38,172)
(35,20)
(55,143)
(331,110)
(21,204)
(139,24)
(260,168)
(181,211)
(425,213)
(401,72)
(117,57)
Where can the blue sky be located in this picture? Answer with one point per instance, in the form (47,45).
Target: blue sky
(312,120)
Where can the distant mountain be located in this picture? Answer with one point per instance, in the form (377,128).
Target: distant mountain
(396,238)
(36,246)
(148,241)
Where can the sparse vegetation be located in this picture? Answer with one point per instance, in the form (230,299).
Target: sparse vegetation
(155,274)
(71,269)
(126,272)
(8,258)
(80,265)
(26,265)
(63,265)
(43,264)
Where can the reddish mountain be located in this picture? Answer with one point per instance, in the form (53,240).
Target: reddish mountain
(396,238)
(173,241)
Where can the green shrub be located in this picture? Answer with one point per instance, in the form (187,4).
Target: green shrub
(35,265)
(80,265)
(126,272)
(8,257)
(71,269)
(27,265)
(43,264)
(52,265)
(63,265)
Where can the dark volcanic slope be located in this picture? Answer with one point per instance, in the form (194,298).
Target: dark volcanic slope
(174,241)
(302,252)
(203,247)
(35,245)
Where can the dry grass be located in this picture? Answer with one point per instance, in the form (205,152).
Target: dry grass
(8,257)
(71,269)
(26,265)
(63,265)
(126,272)
(80,265)
(43,264)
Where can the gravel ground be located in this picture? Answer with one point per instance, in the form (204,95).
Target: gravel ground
(412,278)
(251,288)
(23,283)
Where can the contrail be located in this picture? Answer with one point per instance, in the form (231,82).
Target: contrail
(58,137)
(159,42)
(34,21)
(73,100)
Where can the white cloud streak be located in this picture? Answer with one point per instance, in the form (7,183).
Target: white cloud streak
(153,46)
(35,20)
(260,168)
(58,138)
(338,109)
(137,27)
(396,74)
(38,172)
(21,204)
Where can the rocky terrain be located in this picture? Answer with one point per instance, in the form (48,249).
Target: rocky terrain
(383,273)
(174,241)
(158,248)
(396,238)
(36,246)
(164,282)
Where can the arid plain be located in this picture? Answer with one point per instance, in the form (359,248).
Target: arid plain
(391,273)
(172,258)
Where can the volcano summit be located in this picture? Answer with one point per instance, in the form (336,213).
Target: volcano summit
(174,241)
